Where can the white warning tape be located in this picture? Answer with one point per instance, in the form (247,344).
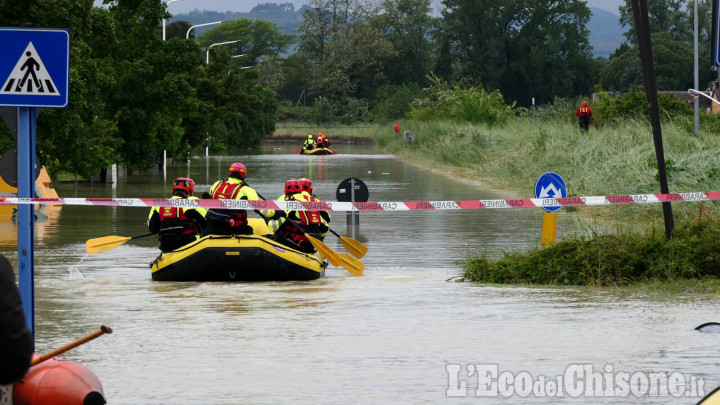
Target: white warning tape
(375,206)
(702,93)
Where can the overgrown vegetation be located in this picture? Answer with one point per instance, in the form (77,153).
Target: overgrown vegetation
(618,259)
(616,159)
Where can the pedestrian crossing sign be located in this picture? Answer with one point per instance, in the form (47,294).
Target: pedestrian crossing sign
(34,67)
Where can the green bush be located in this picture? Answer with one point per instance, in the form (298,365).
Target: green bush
(633,104)
(448,101)
(352,110)
(610,260)
(393,102)
(324,112)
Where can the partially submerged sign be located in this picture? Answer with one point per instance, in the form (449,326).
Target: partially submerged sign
(352,189)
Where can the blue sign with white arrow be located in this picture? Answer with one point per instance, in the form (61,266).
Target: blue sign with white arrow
(34,67)
(550,186)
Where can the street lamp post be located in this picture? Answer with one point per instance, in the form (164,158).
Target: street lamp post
(207,57)
(244,67)
(167,4)
(201,25)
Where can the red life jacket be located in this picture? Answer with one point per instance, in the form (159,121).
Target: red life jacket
(307,220)
(230,191)
(175,216)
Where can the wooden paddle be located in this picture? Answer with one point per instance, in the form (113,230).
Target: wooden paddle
(355,248)
(37,360)
(98,245)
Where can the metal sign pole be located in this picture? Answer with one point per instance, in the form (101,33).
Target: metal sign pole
(26,217)
(35,71)
(352,213)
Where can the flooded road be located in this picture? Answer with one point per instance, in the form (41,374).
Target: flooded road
(402,333)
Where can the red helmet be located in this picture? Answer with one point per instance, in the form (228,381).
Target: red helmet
(237,170)
(306,185)
(185,184)
(585,103)
(292,187)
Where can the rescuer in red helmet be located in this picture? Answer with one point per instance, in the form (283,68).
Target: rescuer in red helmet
(584,114)
(311,222)
(322,141)
(178,226)
(233,221)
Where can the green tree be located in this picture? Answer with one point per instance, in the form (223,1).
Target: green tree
(394,102)
(257,39)
(321,22)
(235,110)
(675,18)
(524,48)
(408,25)
(343,51)
(152,94)
(81,138)
(176,29)
(672,60)
(294,81)
(664,16)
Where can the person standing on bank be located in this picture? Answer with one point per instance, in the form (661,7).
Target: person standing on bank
(233,221)
(178,226)
(584,113)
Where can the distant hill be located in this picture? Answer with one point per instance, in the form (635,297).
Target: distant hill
(604,26)
(605,32)
(284,15)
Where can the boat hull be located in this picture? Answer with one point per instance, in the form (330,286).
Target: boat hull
(318,151)
(237,258)
(58,381)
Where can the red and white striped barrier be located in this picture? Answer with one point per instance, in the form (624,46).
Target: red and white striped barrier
(375,206)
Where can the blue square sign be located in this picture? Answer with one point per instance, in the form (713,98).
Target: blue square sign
(34,65)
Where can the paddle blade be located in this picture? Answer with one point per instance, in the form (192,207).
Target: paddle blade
(355,248)
(325,250)
(297,150)
(98,245)
(351,264)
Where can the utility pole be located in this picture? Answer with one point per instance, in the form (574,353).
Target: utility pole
(695,64)
(642,27)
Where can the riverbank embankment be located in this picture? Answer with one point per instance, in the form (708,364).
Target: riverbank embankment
(611,160)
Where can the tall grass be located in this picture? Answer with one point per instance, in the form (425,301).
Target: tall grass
(614,159)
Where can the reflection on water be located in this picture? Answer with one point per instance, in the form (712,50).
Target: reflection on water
(385,337)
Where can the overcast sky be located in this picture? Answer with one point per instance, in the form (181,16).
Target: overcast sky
(185,6)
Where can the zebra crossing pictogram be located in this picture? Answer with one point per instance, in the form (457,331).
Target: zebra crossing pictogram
(29,76)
